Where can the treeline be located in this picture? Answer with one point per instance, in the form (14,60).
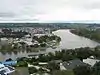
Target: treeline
(89,33)
(69,54)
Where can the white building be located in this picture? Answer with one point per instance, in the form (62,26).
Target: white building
(5,70)
(62,67)
(4,39)
(90,61)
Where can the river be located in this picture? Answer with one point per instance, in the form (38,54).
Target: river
(71,41)
(68,41)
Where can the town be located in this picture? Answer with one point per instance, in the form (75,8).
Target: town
(25,39)
(35,41)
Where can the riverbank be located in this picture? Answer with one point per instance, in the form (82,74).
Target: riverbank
(91,34)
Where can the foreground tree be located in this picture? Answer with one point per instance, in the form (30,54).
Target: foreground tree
(82,70)
(53,66)
(96,69)
(32,70)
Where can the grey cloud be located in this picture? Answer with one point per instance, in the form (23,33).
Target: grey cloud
(92,6)
(29,9)
(6,15)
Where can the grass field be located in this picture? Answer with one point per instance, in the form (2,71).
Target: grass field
(21,71)
(66,72)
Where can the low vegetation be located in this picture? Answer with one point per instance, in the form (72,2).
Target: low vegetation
(65,72)
(89,33)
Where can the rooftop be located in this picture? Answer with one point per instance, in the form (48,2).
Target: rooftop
(90,61)
(73,63)
(6,69)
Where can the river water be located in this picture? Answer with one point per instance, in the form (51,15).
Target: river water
(71,41)
(68,41)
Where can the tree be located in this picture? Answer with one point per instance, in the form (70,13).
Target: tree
(83,53)
(82,70)
(35,38)
(22,64)
(43,58)
(96,69)
(67,57)
(51,56)
(32,70)
(58,55)
(43,45)
(53,66)
(9,59)
(96,53)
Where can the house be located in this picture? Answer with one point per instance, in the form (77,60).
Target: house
(4,39)
(9,63)
(62,67)
(90,61)
(72,64)
(5,70)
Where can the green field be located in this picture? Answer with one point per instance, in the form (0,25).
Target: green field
(21,71)
(66,72)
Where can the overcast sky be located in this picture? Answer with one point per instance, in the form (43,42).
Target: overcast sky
(49,10)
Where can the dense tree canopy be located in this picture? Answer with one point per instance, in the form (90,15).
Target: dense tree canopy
(96,69)
(92,34)
(82,70)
